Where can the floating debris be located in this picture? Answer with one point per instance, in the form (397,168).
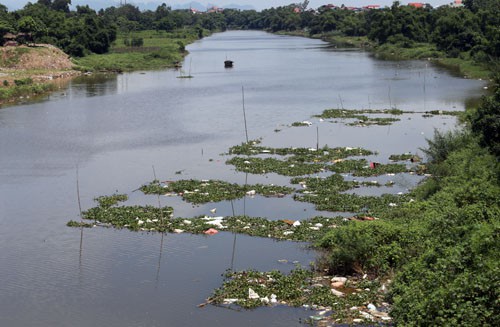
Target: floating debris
(204,191)
(302,288)
(360,118)
(405,157)
(302,123)
(323,154)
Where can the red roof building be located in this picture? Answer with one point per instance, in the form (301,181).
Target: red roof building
(416,4)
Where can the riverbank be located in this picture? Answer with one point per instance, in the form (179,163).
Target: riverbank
(27,72)
(460,66)
(143,50)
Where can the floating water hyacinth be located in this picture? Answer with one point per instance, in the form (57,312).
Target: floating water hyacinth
(204,191)
(272,165)
(323,154)
(405,157)
(357,114)
(303,288)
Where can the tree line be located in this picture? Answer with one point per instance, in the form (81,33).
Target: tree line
(473,29)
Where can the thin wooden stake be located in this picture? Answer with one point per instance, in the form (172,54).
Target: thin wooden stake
(390,101)
(158,195)
(317,138)
(78,194)
(81,218)
(234,240)
(244,114)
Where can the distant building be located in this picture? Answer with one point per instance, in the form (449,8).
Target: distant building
(10,39)
(457,3)
(371,7)
(416,4)
(215,9)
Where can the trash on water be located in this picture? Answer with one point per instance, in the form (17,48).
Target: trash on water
(211,231)
(252,294)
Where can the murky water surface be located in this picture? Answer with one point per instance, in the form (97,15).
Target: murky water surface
(115,128)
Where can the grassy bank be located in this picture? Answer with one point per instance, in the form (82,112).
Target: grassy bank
(19,92)
(336,40)
(463,65)
(151,50)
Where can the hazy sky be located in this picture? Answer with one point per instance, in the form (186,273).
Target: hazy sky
(257,4)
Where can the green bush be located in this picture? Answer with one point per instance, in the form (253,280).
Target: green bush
(24,81)
(368,247)
(455,280)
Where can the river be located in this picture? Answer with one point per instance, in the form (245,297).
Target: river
(116,128)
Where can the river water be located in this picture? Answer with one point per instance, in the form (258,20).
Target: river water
(116,128)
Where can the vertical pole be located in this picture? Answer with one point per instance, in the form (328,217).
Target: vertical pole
(234,240)
(158,195)
(78,193)
(317,138)
(244,114)
(390,101)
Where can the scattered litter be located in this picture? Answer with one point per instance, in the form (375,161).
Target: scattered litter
(337,293)
(252,294)
(210,231)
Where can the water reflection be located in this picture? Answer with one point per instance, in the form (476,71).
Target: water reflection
(92,85)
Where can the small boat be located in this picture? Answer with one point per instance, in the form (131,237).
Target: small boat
(228,63)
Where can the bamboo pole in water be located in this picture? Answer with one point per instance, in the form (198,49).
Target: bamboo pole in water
(244,114)
(158,195)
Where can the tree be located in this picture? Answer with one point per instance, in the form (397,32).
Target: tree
(61,5)
(456,30)
(485,121)
(34,27)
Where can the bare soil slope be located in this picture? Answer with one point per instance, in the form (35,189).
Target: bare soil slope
(41,63)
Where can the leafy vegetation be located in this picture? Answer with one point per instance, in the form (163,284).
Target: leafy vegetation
(301,287)
(197,192)
(17,91)
(300,154)
(442,246)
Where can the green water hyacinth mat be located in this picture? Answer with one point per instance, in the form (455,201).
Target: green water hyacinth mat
(203,191)
(152,219)
(332,299)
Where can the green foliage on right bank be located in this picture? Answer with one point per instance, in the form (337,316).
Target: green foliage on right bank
(442,249)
